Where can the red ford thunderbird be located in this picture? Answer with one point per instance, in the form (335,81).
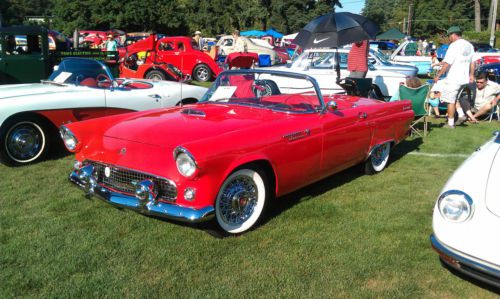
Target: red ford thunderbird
(246,142)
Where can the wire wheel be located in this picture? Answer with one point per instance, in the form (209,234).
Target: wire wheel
(240,201)
(378,158)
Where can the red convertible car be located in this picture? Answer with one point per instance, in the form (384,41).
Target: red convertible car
(246,142)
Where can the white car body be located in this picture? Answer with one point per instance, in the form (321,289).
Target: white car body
(423,63)
(226,47)
(52,103)
(473,243)
(324,71)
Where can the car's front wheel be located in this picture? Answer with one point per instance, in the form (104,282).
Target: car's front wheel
(241,200)
(378,158)
(24,140)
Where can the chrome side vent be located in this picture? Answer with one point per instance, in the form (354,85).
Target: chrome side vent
(193,112)
(297,135)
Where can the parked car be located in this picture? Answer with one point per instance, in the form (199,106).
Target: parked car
(226,47)
(402,55)
(230,154)
(78,89)
(320,64)
(492,69)
(382,45)
(282,52)
(382,62)
(180,51)
(466,216)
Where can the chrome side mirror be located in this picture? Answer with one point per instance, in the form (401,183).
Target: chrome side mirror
(332,106)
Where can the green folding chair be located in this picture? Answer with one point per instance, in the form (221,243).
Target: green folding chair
(417,96)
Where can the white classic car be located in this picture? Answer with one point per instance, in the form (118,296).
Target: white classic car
(78,89)
(226,47)
(467,216)
(401,56)
(320,64)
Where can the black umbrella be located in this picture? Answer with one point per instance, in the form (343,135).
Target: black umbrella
(336,29)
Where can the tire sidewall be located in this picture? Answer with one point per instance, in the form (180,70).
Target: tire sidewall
(260,183)
(154,74)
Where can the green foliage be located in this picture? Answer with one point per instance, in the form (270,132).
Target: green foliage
(170,16)
(430,17)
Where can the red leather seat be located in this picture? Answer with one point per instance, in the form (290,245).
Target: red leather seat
(90,82)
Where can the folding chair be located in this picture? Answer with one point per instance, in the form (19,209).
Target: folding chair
(494,110)
(417,96)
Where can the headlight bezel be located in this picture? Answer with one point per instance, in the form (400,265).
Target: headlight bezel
(65,132)
(458,196)
(182,153)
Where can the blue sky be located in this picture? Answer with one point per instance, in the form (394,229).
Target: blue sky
(354,6)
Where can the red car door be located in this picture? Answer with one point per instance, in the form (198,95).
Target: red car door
(346,137)
(169,52)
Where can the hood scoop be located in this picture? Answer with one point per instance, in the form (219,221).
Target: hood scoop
(193,112)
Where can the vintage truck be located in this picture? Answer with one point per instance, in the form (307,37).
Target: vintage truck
(25,55)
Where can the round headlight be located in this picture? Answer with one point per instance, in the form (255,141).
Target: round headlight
(186,165)
(68,138)
(455,205)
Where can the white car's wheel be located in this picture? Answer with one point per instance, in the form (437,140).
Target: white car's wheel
(241,201)
(24,141)
(378,158)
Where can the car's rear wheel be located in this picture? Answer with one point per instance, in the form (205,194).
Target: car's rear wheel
(378,158)
(25,140)
(156,75)
(241,200)
(202,73)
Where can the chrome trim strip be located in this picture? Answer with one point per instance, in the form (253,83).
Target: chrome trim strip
(297,135)
(481,266)
(163,210)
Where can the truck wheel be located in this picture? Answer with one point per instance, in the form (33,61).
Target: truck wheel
(25,140)
(202,73)
(155,75)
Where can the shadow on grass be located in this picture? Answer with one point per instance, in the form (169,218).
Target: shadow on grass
(288,201)
(470,279)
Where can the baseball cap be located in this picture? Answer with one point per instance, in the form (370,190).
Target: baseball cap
(453,29)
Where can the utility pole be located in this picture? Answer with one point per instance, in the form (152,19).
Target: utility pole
(404,25)
(410,12)
(493,23)
(490,14)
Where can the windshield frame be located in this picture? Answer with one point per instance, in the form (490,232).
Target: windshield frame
(77,60)
(206,99)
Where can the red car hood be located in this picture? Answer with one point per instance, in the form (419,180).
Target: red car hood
(173,127)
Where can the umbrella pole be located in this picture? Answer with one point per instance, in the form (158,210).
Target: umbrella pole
(337,64)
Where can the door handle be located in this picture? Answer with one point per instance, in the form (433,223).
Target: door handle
(362,115)
(157,97)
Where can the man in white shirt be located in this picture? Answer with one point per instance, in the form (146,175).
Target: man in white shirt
(460,70)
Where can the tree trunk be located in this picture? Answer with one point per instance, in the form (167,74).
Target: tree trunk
(477,16)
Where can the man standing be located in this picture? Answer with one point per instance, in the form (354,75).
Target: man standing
(357,61)
(240,45)
(460,68)
(199,40)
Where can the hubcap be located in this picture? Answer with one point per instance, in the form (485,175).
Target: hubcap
(379,155)
(24,142)
(202,74)
(238,200)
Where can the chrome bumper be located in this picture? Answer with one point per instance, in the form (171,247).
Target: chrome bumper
(159,209)
(466,265)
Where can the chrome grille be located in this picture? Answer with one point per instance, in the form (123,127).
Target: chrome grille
(124,180)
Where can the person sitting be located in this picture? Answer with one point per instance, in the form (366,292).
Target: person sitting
(411,82)
(487,96)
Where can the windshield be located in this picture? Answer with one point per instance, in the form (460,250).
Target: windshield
(85,72)
(266,90)
(381,56)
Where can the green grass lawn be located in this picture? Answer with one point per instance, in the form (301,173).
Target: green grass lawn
(350,235)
